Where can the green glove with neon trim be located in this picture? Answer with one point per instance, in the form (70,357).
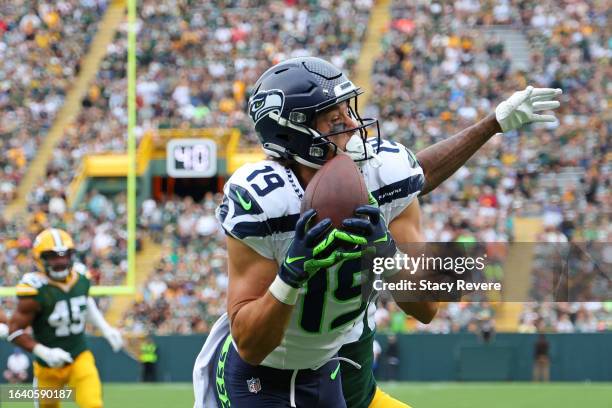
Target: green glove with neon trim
(317,247)
(372,200)
(370,223)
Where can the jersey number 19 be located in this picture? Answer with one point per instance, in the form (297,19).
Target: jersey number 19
(317,314)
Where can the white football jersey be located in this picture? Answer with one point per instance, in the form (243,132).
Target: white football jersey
(261,206)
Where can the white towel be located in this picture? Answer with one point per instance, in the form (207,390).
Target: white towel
(203,386)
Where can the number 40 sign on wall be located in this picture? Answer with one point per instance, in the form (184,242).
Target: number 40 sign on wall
(191,158)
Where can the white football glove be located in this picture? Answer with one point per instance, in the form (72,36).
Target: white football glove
(54,357)
(4,331)
(114,338)
(519,109)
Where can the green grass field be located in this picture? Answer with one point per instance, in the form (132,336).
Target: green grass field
(419,395)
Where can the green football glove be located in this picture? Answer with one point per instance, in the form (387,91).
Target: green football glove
(317,248)
(370,223)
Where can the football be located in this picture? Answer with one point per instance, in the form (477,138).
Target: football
(336,190)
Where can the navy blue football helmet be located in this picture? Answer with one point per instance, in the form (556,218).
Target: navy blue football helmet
(285,101)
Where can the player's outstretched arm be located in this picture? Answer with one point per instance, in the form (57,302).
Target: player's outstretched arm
(441,160)
(112,335)
(444,158)
(23,317)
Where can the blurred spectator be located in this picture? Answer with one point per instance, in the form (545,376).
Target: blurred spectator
(148,358)
(567,317)
(100,237)
(486,326)
(541,357)
(17,367)
(392,358)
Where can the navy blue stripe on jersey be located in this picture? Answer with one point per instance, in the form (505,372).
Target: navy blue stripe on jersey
(383,148)
(261,229)
(388,149)
(223,209)
(399,189)
(286,223)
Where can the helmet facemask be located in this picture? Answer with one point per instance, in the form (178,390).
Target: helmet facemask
(357,147)
(57,264)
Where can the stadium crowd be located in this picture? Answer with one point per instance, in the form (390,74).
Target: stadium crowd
(41,47)
(195,96)
(187,291)
(195,62)
(566,317)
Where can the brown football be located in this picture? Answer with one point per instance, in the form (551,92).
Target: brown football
(336,190)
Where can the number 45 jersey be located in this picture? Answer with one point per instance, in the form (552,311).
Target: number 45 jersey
(63,309)
(260,208)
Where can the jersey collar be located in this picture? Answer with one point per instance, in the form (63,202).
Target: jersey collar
(68,284)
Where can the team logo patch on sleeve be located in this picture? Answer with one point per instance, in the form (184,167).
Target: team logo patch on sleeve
(254,385)
(244,203)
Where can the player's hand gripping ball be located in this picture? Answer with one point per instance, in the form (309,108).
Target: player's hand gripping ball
(370,223)
(315,247)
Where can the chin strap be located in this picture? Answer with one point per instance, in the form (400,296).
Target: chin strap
(361,151)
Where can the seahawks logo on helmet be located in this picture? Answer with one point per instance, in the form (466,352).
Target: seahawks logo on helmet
(265,102)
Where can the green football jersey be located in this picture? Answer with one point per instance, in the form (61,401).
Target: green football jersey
(63,313)
(359,385)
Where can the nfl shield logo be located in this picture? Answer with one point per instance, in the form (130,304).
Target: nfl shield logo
(254,385)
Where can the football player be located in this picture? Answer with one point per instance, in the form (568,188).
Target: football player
(55,302)
(294,297)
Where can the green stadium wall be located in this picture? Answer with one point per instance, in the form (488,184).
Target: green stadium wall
(424,357)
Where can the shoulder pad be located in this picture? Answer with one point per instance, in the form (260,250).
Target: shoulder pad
(30,284)
(81,269)
(258,201)
(400,176)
